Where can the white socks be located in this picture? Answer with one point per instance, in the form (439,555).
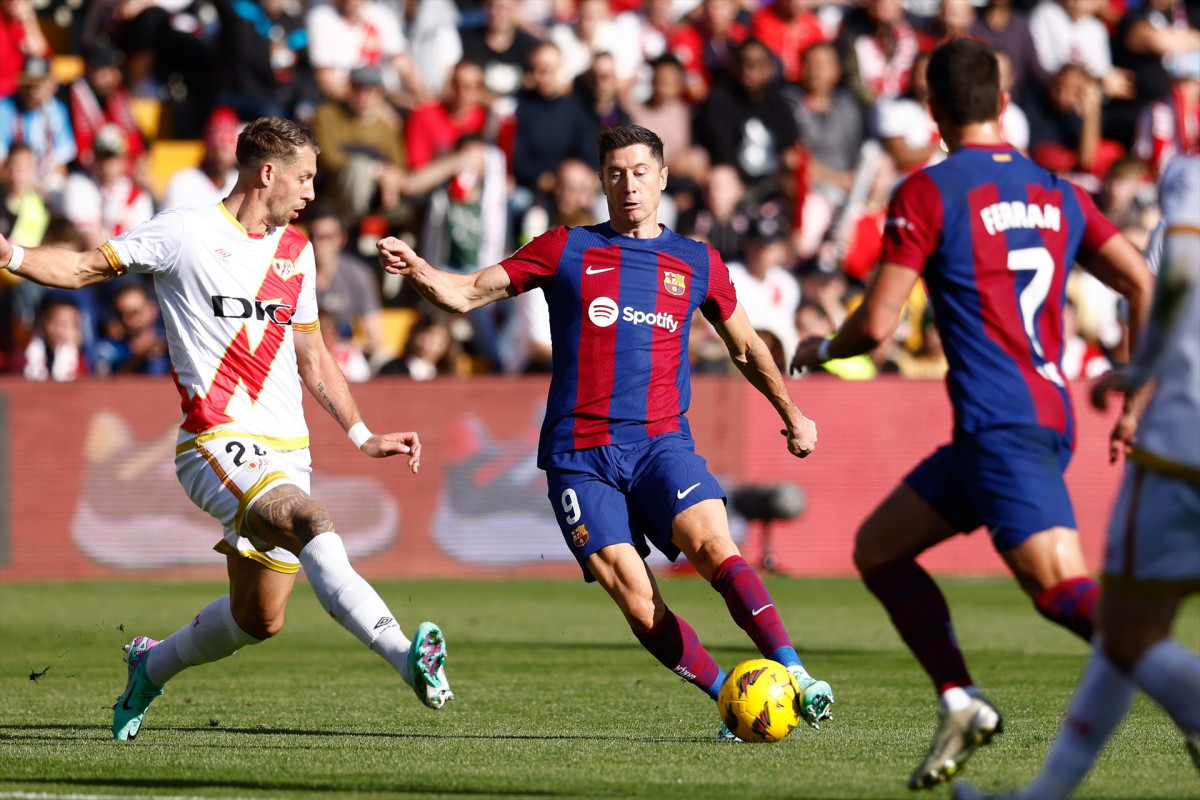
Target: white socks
(1170,674)
(211,636)
(352,602)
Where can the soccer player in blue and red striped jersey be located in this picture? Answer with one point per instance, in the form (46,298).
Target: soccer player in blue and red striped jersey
(620,462)
(994,237)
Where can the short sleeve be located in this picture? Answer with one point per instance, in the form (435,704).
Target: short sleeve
(1097,228)
(914,220)
(152,247)
(533,265)
(721,299)
(305,317)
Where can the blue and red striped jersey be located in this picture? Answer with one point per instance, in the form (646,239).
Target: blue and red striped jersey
(620,314)
(994,237)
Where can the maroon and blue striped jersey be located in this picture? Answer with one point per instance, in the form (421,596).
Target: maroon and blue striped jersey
(620,314)
(994,236)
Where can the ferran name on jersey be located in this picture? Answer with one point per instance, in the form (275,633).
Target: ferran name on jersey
(1000,217)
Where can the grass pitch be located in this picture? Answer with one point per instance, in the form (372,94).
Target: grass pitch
(555,699)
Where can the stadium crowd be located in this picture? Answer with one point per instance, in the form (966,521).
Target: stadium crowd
(467,127)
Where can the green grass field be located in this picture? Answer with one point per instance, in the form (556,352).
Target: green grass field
(555,699)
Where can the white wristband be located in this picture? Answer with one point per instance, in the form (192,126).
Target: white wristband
(823,350)
(359,433)
(18,256)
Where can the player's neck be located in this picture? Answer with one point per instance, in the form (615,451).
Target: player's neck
(250,214)
(646,229)
(979,133)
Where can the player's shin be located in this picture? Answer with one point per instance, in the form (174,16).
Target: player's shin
(351,601)
(675,644)
(752,608)
(212,635)
(1071,604)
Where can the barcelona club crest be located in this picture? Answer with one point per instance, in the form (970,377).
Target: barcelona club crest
(580,536)
(675,283)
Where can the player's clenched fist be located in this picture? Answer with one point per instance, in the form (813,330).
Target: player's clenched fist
(802,437)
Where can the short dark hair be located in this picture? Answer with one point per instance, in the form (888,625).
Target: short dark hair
(623,136)
(273,139)
(964,81)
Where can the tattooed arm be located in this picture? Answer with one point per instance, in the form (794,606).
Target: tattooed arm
(324,379)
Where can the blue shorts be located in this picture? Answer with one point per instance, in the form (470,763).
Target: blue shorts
(627,493)
(1010,479)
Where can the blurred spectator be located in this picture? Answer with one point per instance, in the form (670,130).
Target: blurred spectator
(434,128)
(35,116)
(136,344)
(169,47)
(594,32)
(345,351)
(954,18)
(855,242)
(1171,125)
(721,218)
(345,35)
(104,201)
(1064,125)
(501,46)
(832,127)
(1147,37)
(1069,32)
(213,179)
(1006,29)
(765,286)
(599,91)
(361,152)
(433,41)
(745,121)
(21,299)
(347,286)
(20,37)
(1127,193)
(430,350)
(905,126)
(880,45)
(706,45)
(1014,124)
(651,31)
(1082,357)
(789,28)
(572,203)
(23,214)
(928,361)
(265,69)
(99,97)
(668,114)
(54,353)
(549,125)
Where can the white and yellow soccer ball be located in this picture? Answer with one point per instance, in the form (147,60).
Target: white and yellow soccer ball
(759,701)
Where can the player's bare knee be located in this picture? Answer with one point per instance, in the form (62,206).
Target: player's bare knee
(1124,648)
(261,623)
(639,612)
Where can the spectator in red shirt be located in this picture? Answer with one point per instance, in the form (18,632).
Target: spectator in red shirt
(20,36)
(788,27)
(707,45)
(100,97)
(435,127)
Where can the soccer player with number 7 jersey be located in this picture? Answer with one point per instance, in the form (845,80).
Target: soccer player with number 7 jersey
(236,282)
(994,237)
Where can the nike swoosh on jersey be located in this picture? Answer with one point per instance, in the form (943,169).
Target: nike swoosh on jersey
(758,611)
(595,271)
(682,493)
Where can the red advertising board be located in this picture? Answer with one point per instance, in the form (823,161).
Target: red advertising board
(87,484)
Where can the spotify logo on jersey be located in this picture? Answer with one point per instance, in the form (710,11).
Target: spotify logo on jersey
(603,312)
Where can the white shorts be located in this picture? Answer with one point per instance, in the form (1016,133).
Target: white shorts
(224,472)
(1154,535)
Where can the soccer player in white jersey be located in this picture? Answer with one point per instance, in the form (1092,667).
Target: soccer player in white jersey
(235,281)
(1153,556)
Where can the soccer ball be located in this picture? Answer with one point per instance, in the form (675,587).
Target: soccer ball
(760,701)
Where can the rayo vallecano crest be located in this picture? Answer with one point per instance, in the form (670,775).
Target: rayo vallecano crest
(675,283)
(284,267)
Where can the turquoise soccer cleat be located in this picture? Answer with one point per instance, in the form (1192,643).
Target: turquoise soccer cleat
(816,699)
(139,691)
(427,666)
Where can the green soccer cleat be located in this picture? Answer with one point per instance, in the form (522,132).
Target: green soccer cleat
(959,734)
(139,691)
(726,735)
(427,666)
(816,697)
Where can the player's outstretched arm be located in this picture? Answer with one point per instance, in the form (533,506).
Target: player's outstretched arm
(448,291)
(56,267)
(325,381)
(752,358)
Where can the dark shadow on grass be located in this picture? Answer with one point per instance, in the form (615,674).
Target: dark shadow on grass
(310,787)
(748,649)
(30,732)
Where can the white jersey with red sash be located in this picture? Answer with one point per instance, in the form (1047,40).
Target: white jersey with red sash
(230,301)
